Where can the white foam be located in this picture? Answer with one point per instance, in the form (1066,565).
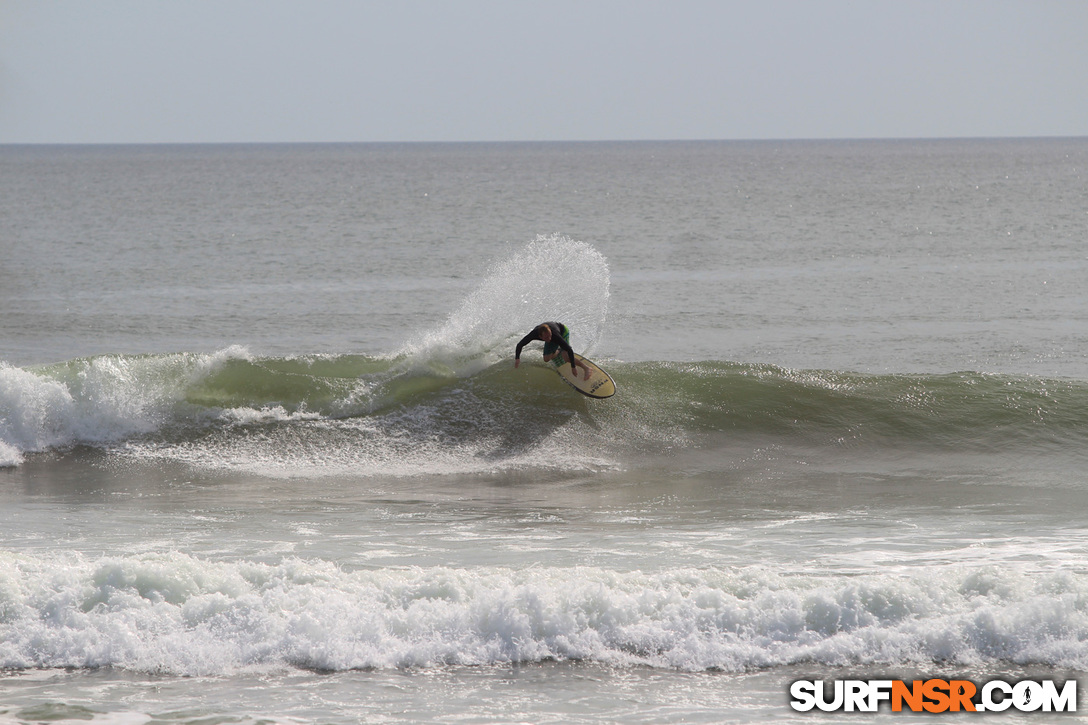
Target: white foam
(173,613)
(95,400)
(35,413)
(316,447)
(10,456)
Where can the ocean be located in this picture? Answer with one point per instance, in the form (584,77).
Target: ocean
(265,457)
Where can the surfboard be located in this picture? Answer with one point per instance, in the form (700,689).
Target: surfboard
(599,384)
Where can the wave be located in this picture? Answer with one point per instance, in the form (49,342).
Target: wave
(400,415)
(450,401)
(173,613)
(957,410)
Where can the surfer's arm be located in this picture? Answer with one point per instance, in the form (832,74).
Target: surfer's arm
(524,341)
(564,346)
(568,351)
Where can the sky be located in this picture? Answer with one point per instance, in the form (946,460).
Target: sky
(210,71)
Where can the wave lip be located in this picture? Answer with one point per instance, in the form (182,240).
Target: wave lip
(98,400)
(91,401)
(175,614)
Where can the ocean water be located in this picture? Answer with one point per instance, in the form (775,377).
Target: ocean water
(264,456)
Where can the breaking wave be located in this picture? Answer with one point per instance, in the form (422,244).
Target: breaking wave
(177,614)
(381,416)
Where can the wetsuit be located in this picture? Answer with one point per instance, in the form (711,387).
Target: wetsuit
(560,341)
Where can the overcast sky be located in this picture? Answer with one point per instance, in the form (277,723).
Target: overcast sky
(135,71)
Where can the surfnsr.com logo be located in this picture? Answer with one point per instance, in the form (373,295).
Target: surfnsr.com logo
(934,696)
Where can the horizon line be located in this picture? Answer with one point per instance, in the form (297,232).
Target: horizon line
(813,139)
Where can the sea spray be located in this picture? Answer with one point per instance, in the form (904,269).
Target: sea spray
(551,278)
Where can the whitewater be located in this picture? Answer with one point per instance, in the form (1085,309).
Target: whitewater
(265,457)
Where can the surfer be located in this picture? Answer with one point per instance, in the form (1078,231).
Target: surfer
(556,338)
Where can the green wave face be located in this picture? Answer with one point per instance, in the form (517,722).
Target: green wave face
(958,409)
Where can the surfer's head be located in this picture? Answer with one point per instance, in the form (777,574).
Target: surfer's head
(544,332)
